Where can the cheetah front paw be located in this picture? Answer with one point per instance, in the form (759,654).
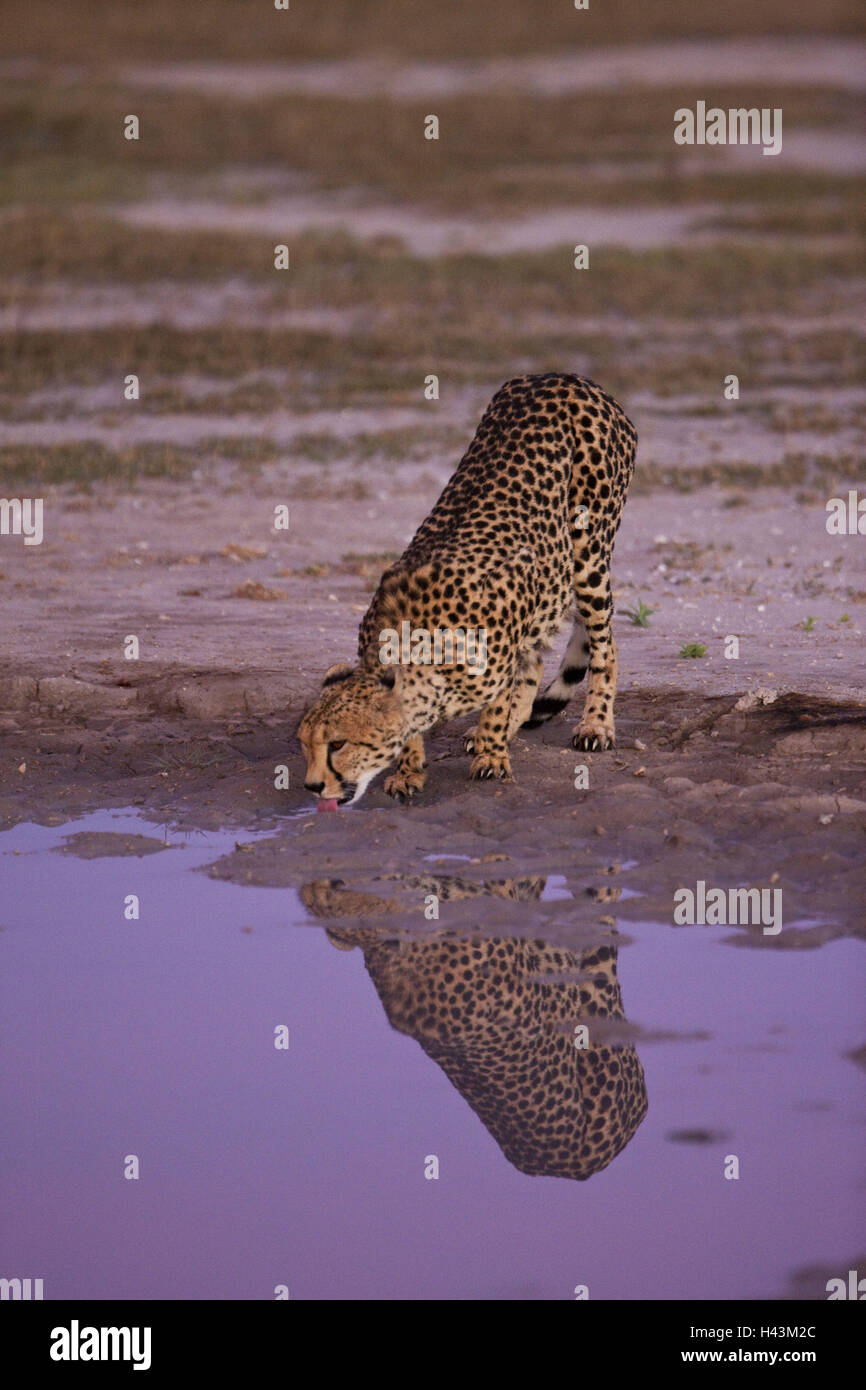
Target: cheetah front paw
(469,739)
(591,736)
(403,785)
(487,765)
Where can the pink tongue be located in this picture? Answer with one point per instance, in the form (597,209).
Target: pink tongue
(329,805)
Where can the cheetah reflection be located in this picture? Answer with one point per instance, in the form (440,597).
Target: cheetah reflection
(498,1016)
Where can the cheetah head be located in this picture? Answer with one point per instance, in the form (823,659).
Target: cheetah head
(355,730)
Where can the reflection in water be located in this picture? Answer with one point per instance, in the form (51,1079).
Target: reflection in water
(500,1016)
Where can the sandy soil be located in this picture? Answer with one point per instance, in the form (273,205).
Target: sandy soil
(50,304)
(427,234)
(804,61)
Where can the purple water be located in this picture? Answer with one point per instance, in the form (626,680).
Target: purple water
(305,1167)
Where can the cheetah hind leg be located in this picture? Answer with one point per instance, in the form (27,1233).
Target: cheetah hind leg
(571,673)
(524,691)
(596,728)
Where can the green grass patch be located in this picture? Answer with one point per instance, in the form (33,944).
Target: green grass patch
(321,370)
(237,30)
(790,471)
(395,445)
(839,210)
(88,462)
(503,150)
(239,448)
(337,271)
(638,616)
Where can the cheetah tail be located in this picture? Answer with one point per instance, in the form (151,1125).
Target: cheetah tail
(571,673)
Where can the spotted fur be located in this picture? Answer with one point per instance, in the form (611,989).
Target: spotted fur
(498,1015)
(519,542)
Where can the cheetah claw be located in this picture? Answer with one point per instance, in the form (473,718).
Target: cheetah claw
(403,786)
(486,766)
(593,743)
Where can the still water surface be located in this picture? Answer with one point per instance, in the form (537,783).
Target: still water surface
(305,1167)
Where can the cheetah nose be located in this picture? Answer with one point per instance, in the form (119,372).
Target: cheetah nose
(315,787)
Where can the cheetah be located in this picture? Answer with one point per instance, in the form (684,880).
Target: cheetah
(518,543)
(498,1015)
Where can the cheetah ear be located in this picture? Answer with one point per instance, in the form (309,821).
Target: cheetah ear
(339,672)
(396,677)
(390,676)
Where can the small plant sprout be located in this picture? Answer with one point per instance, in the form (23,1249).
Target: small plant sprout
(639,616)
(808,624)
(845,618)
(693,649)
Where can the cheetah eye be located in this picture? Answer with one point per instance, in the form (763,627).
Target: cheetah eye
(336,744)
